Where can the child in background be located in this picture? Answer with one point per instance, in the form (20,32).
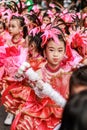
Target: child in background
(36,60)
(32,21)
(46,20)
(3,33)
(85,22)
(43,112)
(2,27)
(35,52)
(6,16)
(18,31)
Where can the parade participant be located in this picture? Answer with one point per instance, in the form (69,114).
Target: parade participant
(35,52)
(2,27)
(32,21)
(85,22)
(36,60)
(42,108)
(3,32)
(18,31)
(46,19)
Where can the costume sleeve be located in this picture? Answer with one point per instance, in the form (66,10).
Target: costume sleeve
(40,87)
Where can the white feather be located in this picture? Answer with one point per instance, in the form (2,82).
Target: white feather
(32,75)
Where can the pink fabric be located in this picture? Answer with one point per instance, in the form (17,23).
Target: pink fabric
(11,58)
(35,31)
(14,58)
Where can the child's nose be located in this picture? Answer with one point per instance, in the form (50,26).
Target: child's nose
(55,53)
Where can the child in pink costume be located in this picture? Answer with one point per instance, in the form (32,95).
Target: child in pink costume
(36,61)
(15,47)
(43,109)
(18,31)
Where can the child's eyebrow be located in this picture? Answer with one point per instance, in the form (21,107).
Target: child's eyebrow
(53,47)
(60,48)
(50,47)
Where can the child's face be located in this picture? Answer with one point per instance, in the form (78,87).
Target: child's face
(29,22)
(54,53)
(1,28)
(31,48)
(54,11)
(14,27)
(86,20)
(46,20)
(85,23)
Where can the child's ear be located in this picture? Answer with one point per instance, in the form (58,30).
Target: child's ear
(33,46)
(44,54)
(21,29)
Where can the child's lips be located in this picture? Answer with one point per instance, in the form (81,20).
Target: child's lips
(10,32)
(56,59)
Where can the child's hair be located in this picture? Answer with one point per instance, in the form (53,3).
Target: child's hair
(37,41)
(75,113)
(34,19)
(3,24)
(46,15)
(22,24)
(78,78)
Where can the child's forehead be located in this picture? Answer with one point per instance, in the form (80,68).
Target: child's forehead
(46,17)
(13,21)
(52,43)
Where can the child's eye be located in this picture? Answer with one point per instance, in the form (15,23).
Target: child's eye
(1,28)
(51,50)
(60,50)
(13,26)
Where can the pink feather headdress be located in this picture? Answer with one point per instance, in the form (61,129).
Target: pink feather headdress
(50,33)
(66,16)
(35,31)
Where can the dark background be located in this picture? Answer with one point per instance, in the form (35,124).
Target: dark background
(2,118)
